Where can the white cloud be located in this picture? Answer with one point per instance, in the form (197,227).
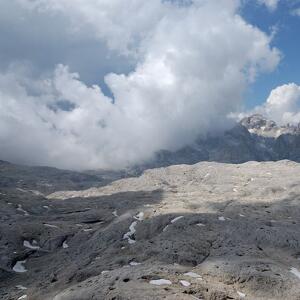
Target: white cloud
(193,64)
(270,4)
(283,104)
(296,12)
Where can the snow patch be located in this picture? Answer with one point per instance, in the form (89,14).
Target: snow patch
(200,225)
(130,233)
(65,245)
(115,213)
(193,275)
(242,295)
(161,282)
(22,297)
(134,263)
(222,218)
(295,272)
(185,283)
(172,222)
(33,246)
(139,216)
(50,225)
(176,219)
(165,228)
(36,193)
(19,268)
(21,287)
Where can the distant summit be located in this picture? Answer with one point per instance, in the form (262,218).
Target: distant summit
(254,138)
(259,125)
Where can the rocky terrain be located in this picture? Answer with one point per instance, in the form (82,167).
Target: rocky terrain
(205,231)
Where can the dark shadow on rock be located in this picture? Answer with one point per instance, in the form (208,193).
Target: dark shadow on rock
(48,180)
(88,227)
(249,247)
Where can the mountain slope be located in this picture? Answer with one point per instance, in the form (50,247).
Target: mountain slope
(206,231)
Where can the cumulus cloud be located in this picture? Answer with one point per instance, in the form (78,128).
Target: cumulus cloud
(283,104)
(270,4)
(192,63)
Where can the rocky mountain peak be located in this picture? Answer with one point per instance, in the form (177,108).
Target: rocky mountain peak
(259,125)
(257,121)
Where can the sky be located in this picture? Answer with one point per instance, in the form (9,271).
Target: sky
(286,23)
(88,84)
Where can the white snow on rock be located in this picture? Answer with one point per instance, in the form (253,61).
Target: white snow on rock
(46,207)
(176,219)
(222,219)
(172,222)
(22,297)
(21,190)
(193,275)
(160,282)
(241,215)
(88,229)
(185,283)
(134,263)
(242,295)
(36,193)
(19,268)
(235,190)
(130,233)
(33,246)
(50,225)
(21,287)
(200,224)
(65,245)
(295,272)
(20,209)
(115,213)
(165,228)
(139,216)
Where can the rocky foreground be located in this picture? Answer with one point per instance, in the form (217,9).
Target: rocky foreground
(206,231)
